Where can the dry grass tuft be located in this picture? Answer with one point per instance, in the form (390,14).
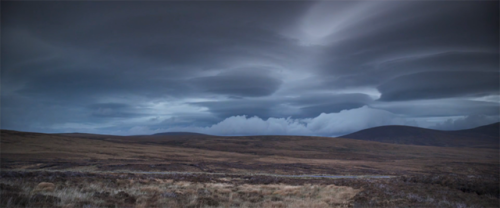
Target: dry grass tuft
(103,190)
(45,187)
(337,195)
(156,193)
(150,189)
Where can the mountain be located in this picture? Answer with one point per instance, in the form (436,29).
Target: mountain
(180,133)
(483,136)
(489,130)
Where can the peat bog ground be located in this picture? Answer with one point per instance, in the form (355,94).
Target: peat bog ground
(80,170)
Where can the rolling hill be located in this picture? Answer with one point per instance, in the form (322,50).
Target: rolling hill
(242,154)
(482,137)
(492,130)
(180,133)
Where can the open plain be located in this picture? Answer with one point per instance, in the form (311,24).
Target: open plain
(85,170)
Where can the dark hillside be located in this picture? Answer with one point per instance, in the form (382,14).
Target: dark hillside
(181,134)
(483,136)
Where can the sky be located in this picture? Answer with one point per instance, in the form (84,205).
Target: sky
(324,68)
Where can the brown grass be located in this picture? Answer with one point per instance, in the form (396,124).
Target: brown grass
(189,190)
(167,193)
(268,154)
(439,176)
(44,187)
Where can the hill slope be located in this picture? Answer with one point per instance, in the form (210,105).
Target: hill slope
(246,154)
(181,133)
(483,136)
(492,130)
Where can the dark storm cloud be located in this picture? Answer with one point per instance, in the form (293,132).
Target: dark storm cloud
(248,82)
(440,84)
(171,33)
(440,107)
(138,67)
(188,119)
(113,110)
(329,108)
(314,104)
(83,83)
(306,106)
(466,122)
(417,36)
(224,109)
(450,61)
(122,51)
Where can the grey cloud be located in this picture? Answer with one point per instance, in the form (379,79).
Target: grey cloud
(455,60)
(248,82)
(306,106)
(109,105)
(439,107)
(314,104)
(120,52)
(224,109)
(418,36)
(333,124)
(114,110)
(79,83)
(118,66)
(418,24)
(177,33)
(28,114)
(467,122)
(90,87)
(329,108)
(383,71)
(440,84)
(185,120)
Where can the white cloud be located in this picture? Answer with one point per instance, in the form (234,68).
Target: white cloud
(326,124)
(466,122)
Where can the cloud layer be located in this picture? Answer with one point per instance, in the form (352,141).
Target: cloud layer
(331,124)
(309,68)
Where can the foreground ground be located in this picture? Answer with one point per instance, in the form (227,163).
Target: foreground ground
(79,189)
(81,170)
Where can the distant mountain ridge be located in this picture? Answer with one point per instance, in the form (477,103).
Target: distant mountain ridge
(181,133)
(487,136)
(483,136)
(490,130)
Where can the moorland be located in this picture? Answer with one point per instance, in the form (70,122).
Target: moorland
(196,170)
